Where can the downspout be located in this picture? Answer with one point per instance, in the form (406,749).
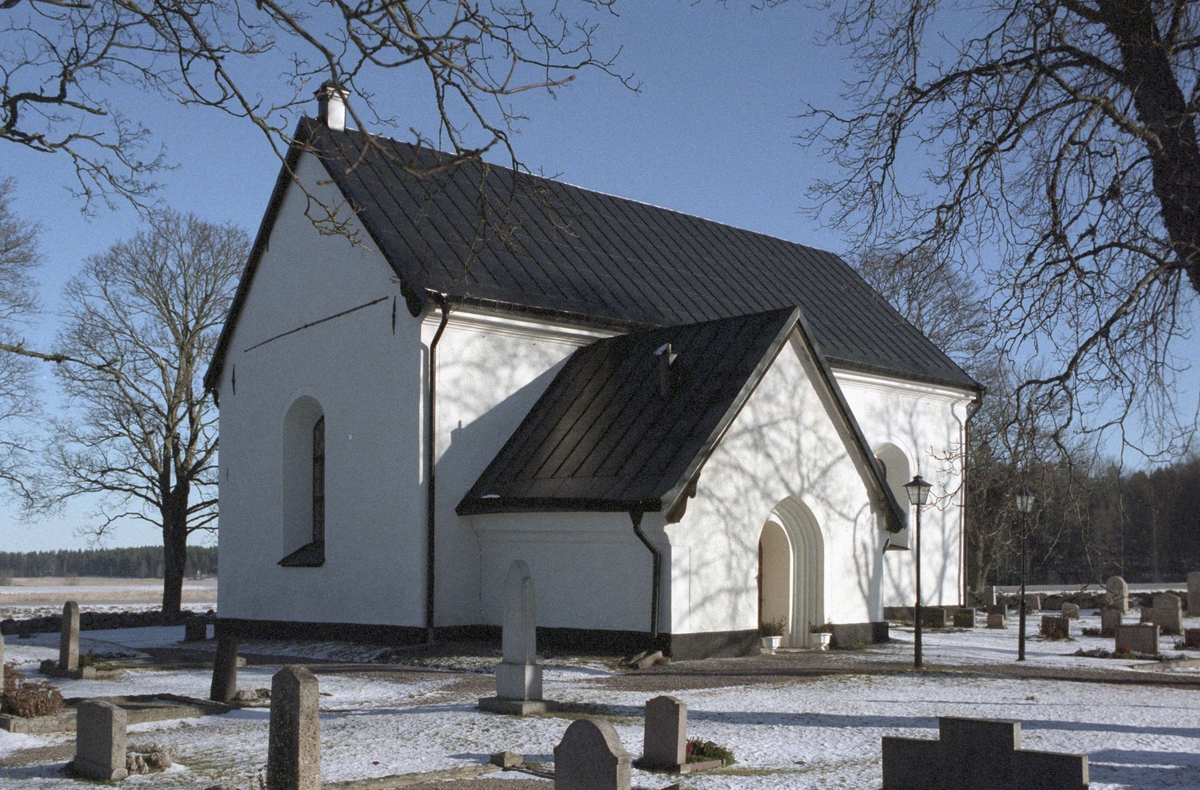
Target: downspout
(431,470)
(636,517)
(972,410)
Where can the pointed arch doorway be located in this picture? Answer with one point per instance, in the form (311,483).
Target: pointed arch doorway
(791,572)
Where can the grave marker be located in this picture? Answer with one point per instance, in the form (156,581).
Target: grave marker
(1033,602)
(518,676)
(664,743)
(1191,637)
(1055,627)
(1119,590)
(1070,610)
(68,642)
(1168,613)
(294,750)
(1,661)
(933,616)
(224,679)
(996,620)
(978,754)
(1137,639)
(195,630)
(100,738)
(964,617)
(1110,618)
(591,757)
(1193,601)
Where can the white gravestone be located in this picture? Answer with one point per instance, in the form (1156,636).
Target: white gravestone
(518,676)
(1118,590)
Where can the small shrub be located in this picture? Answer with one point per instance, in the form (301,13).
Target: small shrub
(700,751)
(772,627)
(1092,632)
(31,699)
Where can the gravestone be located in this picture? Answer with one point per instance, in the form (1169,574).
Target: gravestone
(1168,613)
(1,662)
(224,679)
(996,620)
(1033,602)
(591,757)
(1070,610)
(664,743)
(1119,591)
(68,641)
(1147,617)
(964,617)
(1110,618)
(1137,639)
(978,754)
(100,738)
(1191,637)
(1055,627)
(294,746)
(195,630)
(1193,601)
(933,617)
(989,595)
(518,676)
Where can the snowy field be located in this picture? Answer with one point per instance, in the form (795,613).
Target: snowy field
(38,597)
(817,732)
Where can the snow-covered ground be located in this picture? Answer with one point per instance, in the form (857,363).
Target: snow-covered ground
(810,732)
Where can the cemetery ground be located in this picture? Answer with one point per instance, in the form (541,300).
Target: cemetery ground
(796,720)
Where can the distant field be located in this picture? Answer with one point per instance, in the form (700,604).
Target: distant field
(24,597)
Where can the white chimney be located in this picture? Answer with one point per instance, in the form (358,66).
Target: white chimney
(331,105)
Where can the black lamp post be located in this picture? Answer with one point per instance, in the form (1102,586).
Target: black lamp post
(918,494)
(1024,507)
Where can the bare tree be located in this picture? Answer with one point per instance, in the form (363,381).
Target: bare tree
(144,317)
(1063,140)
(18,258)
(60,61)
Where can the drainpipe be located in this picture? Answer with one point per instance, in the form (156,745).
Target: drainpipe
(431,469)
(636,517)
(972,410)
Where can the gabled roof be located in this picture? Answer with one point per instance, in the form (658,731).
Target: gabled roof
(605,436)
(481,234)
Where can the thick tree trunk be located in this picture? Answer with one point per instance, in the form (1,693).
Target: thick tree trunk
(175,534)
(1162,107)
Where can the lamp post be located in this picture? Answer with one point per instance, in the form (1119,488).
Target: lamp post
(918,494)
(1024,507)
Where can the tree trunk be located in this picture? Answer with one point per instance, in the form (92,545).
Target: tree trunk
(175,535)
(1162,107)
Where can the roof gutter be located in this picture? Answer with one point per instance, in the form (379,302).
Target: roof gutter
(431,472)
(636,517)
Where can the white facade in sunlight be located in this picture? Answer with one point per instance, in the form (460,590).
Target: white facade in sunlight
(783,524)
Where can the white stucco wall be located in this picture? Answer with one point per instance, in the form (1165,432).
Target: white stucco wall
(367,381)
(787,445)
(925,423)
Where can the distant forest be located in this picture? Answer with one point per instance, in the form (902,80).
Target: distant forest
(143,562)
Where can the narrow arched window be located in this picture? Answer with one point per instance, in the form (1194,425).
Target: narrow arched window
(318,482)
(303,494)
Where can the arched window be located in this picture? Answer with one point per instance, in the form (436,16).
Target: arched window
(304,485)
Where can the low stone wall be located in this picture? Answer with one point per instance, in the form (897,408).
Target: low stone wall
(98,621)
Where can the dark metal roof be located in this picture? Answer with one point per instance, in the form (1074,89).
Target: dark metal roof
(478,234)
(605,435)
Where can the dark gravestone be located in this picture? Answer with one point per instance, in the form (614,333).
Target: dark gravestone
(964,617)
(978,754)
(195,630)
(591,757)
(1056,627)
(933,617)
(1110,619)
(294,750)
(224,679)
(1137,639)
(100,738)
(845,635)
(68,642)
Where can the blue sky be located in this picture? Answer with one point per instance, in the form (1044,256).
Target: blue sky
(711,133)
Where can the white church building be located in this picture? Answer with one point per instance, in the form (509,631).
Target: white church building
(685,429)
